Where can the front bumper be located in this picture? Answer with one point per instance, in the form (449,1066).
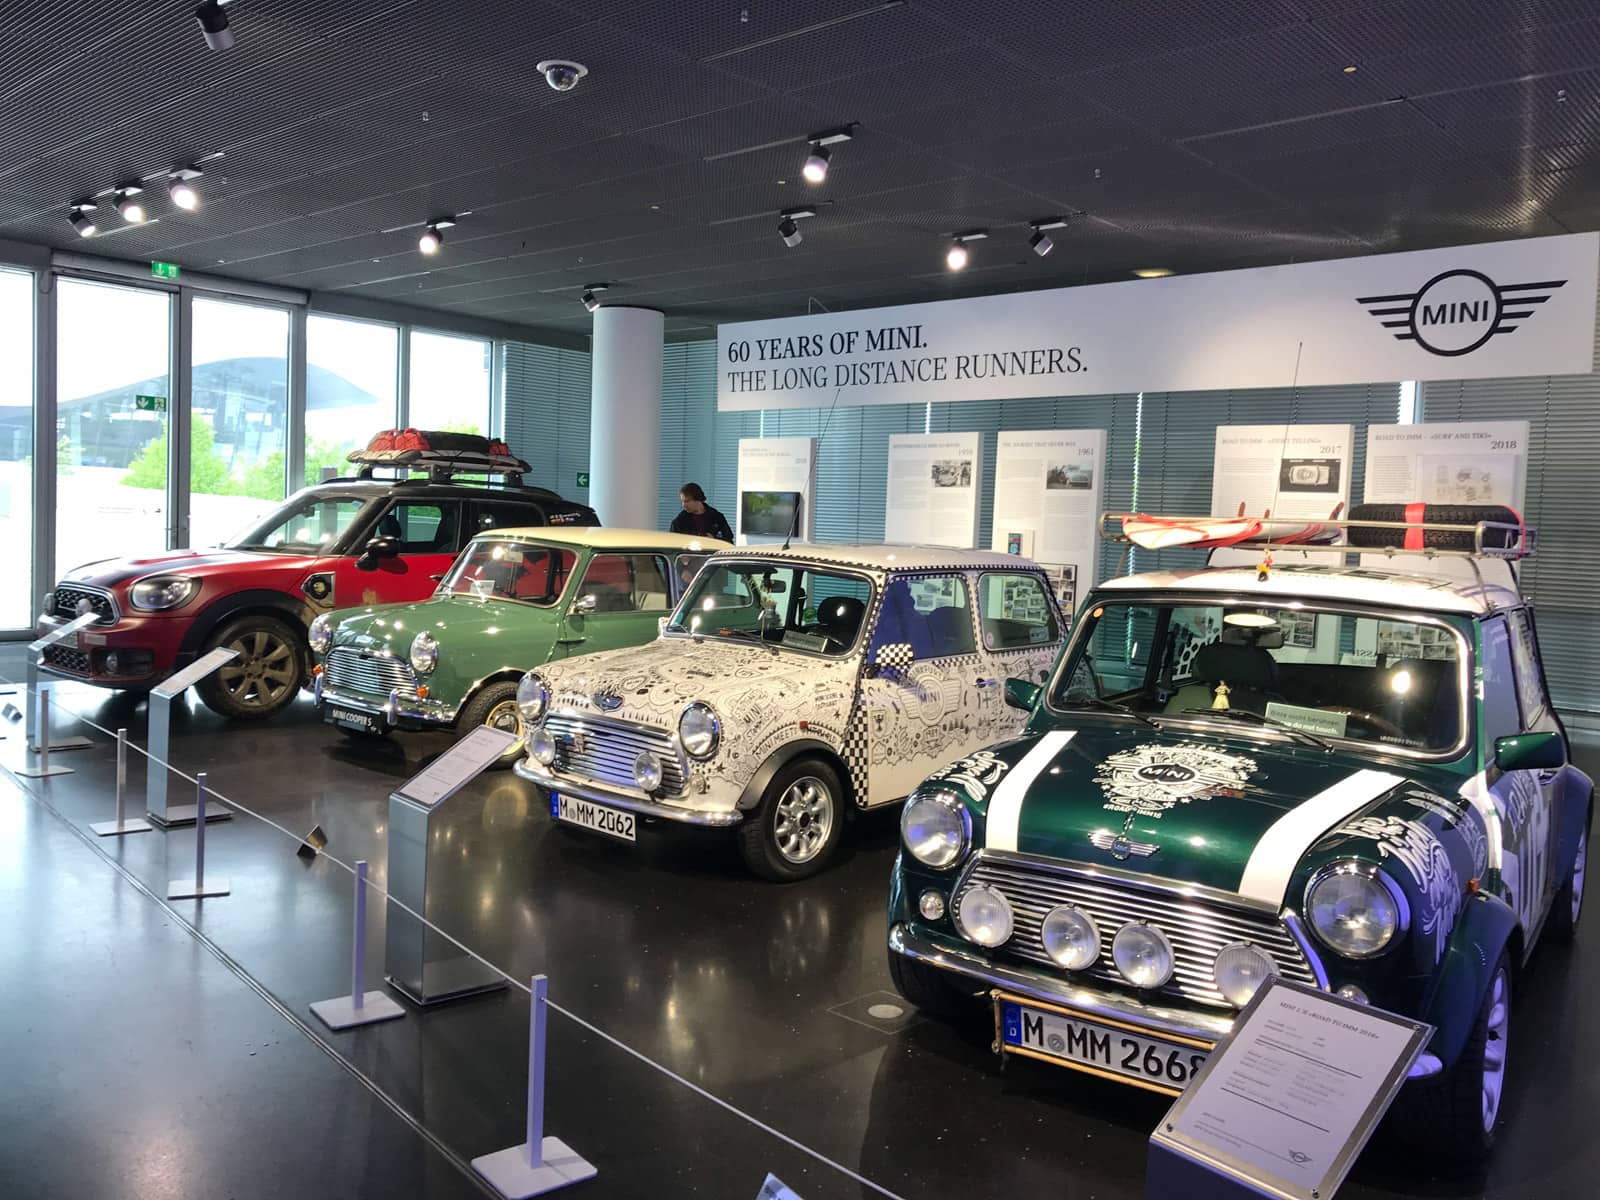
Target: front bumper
(600,793)
(147,649)
(396,711)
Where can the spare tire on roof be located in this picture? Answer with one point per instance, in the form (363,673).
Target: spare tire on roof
(1468,515)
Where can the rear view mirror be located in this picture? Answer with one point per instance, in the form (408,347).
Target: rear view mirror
(1530,752)
(1020,693)
(376,549)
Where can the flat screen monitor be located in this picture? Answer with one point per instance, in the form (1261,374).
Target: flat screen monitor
(769,514)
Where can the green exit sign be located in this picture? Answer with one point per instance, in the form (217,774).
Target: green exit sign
(583,479)
(163,270)
(150,403)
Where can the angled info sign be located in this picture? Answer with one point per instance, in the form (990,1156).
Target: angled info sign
(1467,312)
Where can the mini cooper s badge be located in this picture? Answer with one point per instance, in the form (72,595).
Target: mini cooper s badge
(606,700)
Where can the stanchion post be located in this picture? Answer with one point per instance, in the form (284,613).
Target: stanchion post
(194,889)
(122,824)
(360,1007)
(160,727)
(44,768)
(540,1164)
(32,701)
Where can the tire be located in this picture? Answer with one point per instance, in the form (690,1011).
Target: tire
(1567,910)
(932,990)
(265,678)
(1454,1119)
(495,704)
(1434,514)
(796,828)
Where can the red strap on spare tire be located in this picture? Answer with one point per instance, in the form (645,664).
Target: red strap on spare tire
(1415,515)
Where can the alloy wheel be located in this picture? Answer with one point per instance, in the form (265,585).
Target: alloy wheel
(1498,1026)
(264,671)
(505,716)
(804,819)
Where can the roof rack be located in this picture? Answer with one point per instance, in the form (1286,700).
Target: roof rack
(439,454)
(1516,541)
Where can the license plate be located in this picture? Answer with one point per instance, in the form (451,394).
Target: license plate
(349,718)
(1103,1048)
(612,821)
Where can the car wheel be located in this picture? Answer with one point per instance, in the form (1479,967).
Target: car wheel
(794,830)
(1457,1115)
(496,706)
(265,678)
(1568,907)
(932,990)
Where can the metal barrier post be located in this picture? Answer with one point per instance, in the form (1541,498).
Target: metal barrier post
(194,889)
(122,824)
(44,768)
(155,785)
(31,702)
(360,1007)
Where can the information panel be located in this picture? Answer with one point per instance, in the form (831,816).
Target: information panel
(1293,472)
(1048,492)
(775,481)
(933,489)
(1483,462)
(457,766)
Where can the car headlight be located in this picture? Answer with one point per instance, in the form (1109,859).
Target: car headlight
(1070,937)
(1142,954)
(934,829)
(320,635)
(647,771)
(424,653)
(533,698)
(1353,910)
(699,730)
(983,915)
(1240,970)
(542,745)
(160,594)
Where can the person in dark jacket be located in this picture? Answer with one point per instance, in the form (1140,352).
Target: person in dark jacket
(698,518)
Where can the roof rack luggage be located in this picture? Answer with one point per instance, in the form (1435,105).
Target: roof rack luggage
(441,454)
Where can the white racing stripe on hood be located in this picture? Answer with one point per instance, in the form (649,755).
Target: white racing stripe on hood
(1006,807)
(1278,853)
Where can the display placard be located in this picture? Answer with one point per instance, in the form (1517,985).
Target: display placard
(1048,489)
(457,766)
(62,632)
(1285,1104)
(1456,462)
(1293,472)
(775,480)
(175,683)
(933,489)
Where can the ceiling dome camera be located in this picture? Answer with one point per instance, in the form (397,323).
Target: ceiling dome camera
(562,75)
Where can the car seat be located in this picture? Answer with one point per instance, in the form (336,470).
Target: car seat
(840,617)
(949,632)
(1249,671)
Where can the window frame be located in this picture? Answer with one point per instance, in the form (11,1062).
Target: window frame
(1528,673)
(908,577)
(556,601)
(443,503)
(875,585)
(1050,603)
(663,558)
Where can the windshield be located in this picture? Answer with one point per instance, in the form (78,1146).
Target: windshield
(505,570)
(308,526)
(1335,675)
(777,603)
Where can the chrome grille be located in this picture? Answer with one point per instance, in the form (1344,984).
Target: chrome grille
(1197,929)
(65,658)
(609,748)
(70,595)
(372,673)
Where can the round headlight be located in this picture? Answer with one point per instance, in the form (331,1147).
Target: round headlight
(320,635)
(542,745)
(532,698)
(1352,911)
(934,829)
(1143,955)
(699,731)
(158,595)
(1070,937)
(647,771)
(424,653)
(983,915)
(1240,969)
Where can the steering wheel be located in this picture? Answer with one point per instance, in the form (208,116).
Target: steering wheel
(1372,720)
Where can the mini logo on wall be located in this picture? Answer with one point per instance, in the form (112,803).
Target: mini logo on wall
(1458,311)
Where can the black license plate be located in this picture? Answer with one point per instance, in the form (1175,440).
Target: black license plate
(350,718)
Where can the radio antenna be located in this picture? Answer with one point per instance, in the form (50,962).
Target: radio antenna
(805,494)
(1265,565)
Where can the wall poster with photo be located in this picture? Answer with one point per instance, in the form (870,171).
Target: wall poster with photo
(1048,493)
(776,478)
(932,497)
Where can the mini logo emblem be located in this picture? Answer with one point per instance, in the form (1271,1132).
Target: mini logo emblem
(606,700)
(1122,847)
(1166,772)
(1149,780)
(1456,312)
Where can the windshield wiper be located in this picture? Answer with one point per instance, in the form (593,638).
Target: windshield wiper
(756,634)
(1110,706)
(1255,718)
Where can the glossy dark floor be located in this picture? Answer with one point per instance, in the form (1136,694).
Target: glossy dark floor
(152,1048)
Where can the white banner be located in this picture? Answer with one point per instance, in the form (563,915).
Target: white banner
(933,489)
(1468,312)
(1482,462)
(1294,472)
(1048,492)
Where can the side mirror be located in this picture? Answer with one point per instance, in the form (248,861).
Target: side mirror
(661,625)
(892,658)
(1543,751)
(376,549)
(584,605)
(1020,693)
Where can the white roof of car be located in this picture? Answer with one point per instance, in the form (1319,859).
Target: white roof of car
(1361,585)
(890,558)
(607,537)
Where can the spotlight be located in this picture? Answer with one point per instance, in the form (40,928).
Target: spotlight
(591,295)
(788,230)
(214,24)
(432,238)
(181,190)
(816,166)
(1152,272)
(82,218)
(956,257)
(1041,243)
(128,204)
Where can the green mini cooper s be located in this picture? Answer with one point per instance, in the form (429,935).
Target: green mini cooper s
(1349,777)
(513,600)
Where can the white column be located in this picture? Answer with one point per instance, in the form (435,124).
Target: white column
(625,416)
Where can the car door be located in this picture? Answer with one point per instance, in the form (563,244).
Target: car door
(618,602)
(1539,716)
(430,533)
(925,685)
(1019,624)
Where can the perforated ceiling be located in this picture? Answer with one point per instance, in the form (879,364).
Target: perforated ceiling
(1190,134)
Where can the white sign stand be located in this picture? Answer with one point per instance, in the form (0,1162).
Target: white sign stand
(360,1007)
(540,1164)
(36,651)
(196,888)
(155,790)
(122,824)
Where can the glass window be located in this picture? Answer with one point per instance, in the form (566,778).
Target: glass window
(304,528)
(1015,612)
(1330,674)
(1501,717)
(113,384)
(1525,662)
(506,514)
(687,567)
(449,383)
(509,570)
(16,448)
(928,613)
(627,583)
(776,603)
(240,400)
(421,527)
(352,378)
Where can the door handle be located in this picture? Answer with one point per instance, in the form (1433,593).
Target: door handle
(987,682)
(573,641)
